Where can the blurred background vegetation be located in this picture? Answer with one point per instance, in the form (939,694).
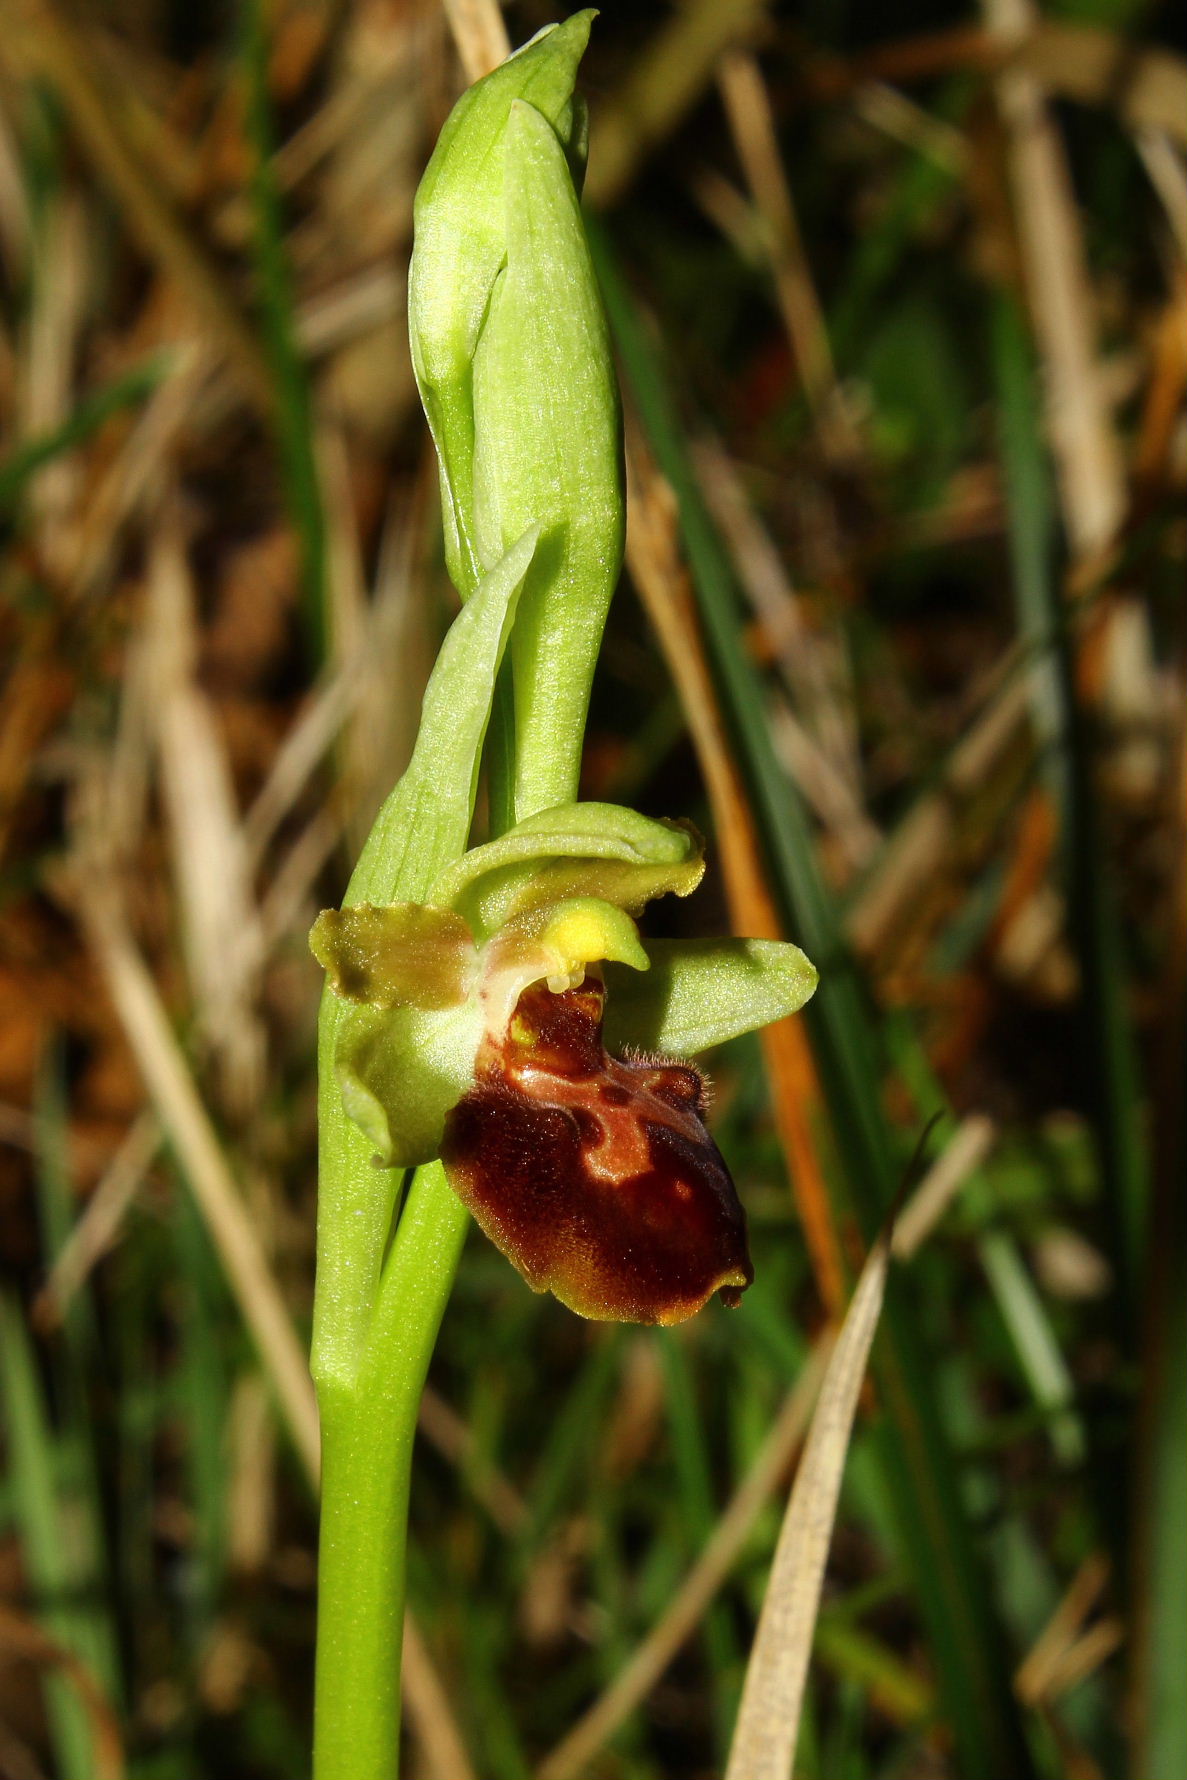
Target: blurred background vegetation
(900,295)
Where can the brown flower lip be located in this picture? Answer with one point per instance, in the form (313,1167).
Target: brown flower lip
(595,1175)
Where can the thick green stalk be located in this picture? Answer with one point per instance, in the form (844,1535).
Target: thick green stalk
(376,1319)
(368,1431)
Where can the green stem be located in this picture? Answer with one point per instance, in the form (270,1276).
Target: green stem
(370,1380)
(368,1430)
(375,1318)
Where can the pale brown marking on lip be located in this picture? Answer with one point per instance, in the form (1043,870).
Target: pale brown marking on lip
(620,1151)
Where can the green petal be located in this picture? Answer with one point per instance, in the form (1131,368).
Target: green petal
(401,955)
(425,823)
(584,849)
(700,992)
(461,245)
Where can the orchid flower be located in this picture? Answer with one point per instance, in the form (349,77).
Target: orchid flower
(475,1032)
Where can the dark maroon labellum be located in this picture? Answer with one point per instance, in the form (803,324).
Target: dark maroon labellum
(596,1175)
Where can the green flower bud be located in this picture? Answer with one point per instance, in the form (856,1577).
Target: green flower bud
(512,357)
(461,246)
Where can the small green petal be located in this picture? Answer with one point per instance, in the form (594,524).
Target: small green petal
(700,992)
(403,954)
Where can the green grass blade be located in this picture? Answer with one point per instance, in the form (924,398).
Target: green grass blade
(1111,1063)
(204,1389)
(82,424)
(1160,1746)
(293,407)
(1158,1659)
(33,1466)
(73,1373)
(698,1517)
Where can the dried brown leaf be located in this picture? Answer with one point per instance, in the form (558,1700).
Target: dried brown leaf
(769,1717)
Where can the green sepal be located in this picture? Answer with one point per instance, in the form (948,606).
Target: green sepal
(701,992)
(581,849)
(401,1070)
(425,823)
(461,244)
(403,954)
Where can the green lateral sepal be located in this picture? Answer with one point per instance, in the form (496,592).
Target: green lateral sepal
(401,1071)
(405,954)
(698,993)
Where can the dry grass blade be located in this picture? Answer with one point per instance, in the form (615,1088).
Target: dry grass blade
(1083,440)
(821,738)
(453,1437)
(220,923)
(480,35)
(185,1119)
(962,1156)
(298,758)
(664,83)
(687,1608)
(748,109)
(99,1224)
(1146,84)
(287,901)
(1038,1671)
(430,1711)
(769,1716)
(802,653)
(923,839)
(654,561)
(1168,176)
(19,1637)
(251,1475)
(1164,396)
